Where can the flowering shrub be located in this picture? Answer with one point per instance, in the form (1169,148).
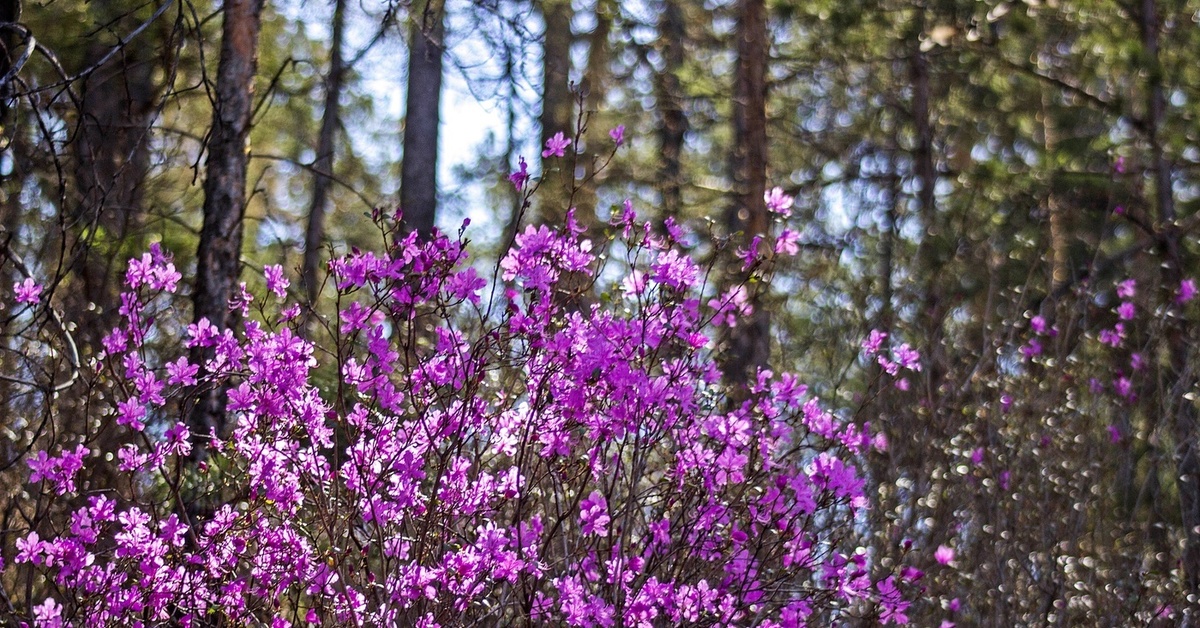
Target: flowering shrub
(456,449)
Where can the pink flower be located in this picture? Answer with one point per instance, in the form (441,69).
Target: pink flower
(555,146)
(276,281)
(1126,289)
(779,202)
(521,176)
(618,134)
(1126,311)
(874,342)
(1187,291)
(27,291)
(181,372)
(594,515)
(944,555)
(1038,325)
(788,243)
(29,549)
(48,614)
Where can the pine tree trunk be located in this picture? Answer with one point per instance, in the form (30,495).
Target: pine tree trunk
(112,156)
(418,179)
(750,342)
(673,123)
(314,234)
(595,89)
(557,174)
(218,259)
(1185,422)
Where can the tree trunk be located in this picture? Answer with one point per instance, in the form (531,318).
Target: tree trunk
(418,179)
(558,176)
(929,253)
(218,260)
(112,156)
(314,235)
(750,342)
(673,123)
(595,88)
(1184,419)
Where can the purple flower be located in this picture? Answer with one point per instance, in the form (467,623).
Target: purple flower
(27,291)
(788,243)
(1113,337)
(1127,289)
(1038,325)
(521,176)
(944,555)
(779,202)
(618,134)
(874,342)
(48,614)
(1126,311)
(594,515)
(29,549)
(1187,291)
(182,373)
(555,146)
(892,601)
(276,281)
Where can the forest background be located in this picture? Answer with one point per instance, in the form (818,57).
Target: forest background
(1010,187)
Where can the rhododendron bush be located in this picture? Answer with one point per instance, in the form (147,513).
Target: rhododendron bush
(457,445)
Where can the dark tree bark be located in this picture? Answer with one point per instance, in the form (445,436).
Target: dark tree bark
(111,148)
(594,88)
(10,13)
(673,123)
(1184,419)
(418,179)
(314,234)
(749,346)
(218,259)
(926,178)
(557,107)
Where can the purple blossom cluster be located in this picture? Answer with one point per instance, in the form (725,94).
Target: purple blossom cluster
(461,449)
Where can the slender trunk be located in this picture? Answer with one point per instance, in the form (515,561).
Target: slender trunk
(595,89)
(10,13)
(418,179)
(1054,204)
(517,197)
(218,258)
(326,146)
(111,148)
(673,123)
(1185,422)
(929,254)
(750,342)
(557,174)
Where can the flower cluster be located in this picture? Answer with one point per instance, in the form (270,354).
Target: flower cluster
(454,456)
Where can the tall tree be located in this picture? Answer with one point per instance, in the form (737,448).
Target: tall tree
(672,122)
(118,95)
(557,106)
(747,215)
(1185,421)
(418,182)
(594,90)
(331,121)
(218,259)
